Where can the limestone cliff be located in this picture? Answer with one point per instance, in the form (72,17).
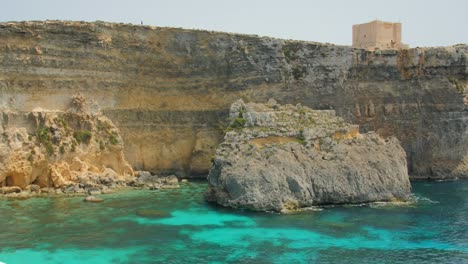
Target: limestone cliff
(56,149)
(279,158)
(169,90)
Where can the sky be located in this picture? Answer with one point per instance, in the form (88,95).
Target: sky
(424,22)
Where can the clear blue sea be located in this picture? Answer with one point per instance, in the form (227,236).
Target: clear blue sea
(432,229)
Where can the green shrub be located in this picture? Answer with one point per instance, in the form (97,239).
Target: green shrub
(113,140)
(72,147)
(238,122)
(44,138)
(82,136)
(301,138)
(43,134)
(62,121)
(49,147)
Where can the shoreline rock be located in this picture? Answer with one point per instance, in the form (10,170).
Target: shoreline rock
(50,151)
(93,199)
(144,180)
(281,158)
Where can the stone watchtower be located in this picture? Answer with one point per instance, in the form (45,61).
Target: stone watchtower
(377,35)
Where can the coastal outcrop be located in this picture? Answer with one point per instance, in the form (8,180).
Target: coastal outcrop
(169,90)
(277,158)
(78,150)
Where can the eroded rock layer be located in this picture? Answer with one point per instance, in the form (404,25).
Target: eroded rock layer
(169,90)
(279,158)
(57,149)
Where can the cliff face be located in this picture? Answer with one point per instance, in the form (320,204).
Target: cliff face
(50,148)
(169,90)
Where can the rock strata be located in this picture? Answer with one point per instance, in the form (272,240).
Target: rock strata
(56,152)
(286,157)
(168,90)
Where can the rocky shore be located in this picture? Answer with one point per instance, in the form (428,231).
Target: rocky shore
(281,158)
(92,188)
(73,152)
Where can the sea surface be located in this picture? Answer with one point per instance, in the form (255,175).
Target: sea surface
(177,226)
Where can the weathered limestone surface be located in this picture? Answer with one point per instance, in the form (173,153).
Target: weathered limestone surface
(75,149)
(283,158)
(169,90)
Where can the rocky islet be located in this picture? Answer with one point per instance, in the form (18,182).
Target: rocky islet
(283,158)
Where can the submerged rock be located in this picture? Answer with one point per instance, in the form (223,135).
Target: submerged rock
(152,213)
(283,158)
(170,186)
(93,199)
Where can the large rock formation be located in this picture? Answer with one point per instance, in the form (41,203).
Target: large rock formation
(169,90)
(56,149)
(285,157)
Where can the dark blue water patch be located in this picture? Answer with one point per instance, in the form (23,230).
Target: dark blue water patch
(178,226)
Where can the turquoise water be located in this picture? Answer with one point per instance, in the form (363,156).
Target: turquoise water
(433,229)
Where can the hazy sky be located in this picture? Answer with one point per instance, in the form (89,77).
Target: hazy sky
(425,22)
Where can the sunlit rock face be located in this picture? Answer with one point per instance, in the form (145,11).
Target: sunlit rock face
(55,149)
(169,90)
(283,158)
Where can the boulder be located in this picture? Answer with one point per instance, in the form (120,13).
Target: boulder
(10,189)
(145,178)
(282,158)
(33,188)
(171,179)
(93,199)
(155,186)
